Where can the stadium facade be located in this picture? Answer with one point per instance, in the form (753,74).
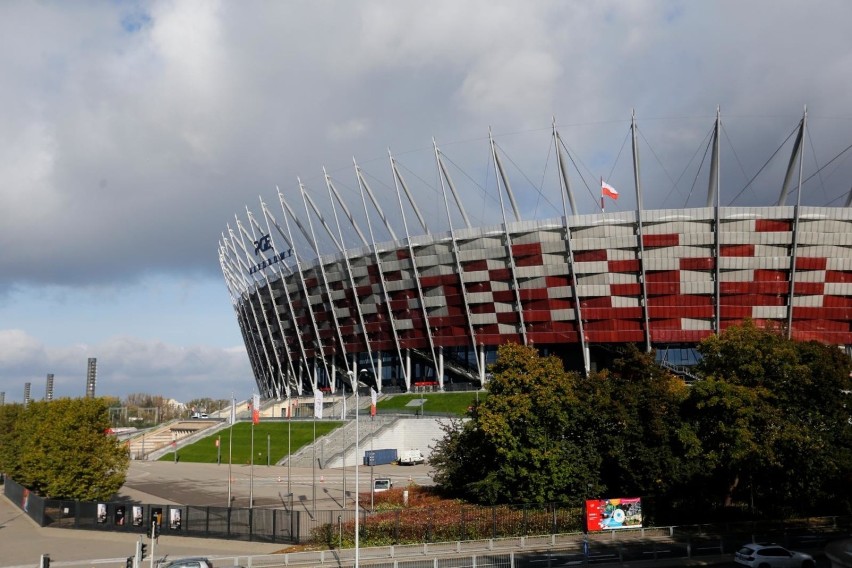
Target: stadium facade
(431,308)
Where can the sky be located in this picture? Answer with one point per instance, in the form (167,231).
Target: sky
(135,132)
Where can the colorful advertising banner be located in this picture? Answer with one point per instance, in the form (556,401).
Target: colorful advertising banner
(606,514)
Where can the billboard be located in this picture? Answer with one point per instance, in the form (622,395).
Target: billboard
(620,513)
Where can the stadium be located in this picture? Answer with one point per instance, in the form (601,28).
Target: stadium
(429,308)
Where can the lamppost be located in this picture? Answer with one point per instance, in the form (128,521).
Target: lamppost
(364,377)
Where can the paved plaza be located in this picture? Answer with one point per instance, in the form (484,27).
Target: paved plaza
(22,541)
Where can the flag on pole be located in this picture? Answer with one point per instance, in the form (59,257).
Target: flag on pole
(373,396)
(255,408)
(608,191)
(318,404)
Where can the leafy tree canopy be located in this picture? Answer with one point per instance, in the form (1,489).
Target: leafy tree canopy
(523,443)
(62,449)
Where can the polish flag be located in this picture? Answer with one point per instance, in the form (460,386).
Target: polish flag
(608,191)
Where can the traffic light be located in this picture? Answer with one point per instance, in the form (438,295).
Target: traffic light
(45,561)
(143,550)
(155,530)
(129,562)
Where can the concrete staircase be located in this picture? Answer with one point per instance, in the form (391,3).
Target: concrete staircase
(339,445)
(153,443)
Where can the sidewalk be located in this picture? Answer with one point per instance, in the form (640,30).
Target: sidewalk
(22,542)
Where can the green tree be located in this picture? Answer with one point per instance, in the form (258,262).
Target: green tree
(772,423)
(645,446)
(10,435)
(65,450)
(523,443)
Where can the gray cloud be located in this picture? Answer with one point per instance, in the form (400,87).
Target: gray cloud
(134,132)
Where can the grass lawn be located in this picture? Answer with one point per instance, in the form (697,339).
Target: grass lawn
(301,433)
(454,403)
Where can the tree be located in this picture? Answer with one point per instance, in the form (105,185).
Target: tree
(523,443)
(10,436)
(771,419)
(64,450)
(645,447)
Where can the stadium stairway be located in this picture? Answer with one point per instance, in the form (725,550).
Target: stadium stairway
(332,447)
(153,443)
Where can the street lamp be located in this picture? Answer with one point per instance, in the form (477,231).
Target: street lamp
(363,378)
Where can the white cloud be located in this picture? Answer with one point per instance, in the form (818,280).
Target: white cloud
(133,132)
(124,365)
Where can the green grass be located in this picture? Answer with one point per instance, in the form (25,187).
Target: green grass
(455,403)
(301,433)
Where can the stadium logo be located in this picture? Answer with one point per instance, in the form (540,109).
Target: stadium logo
(262,244)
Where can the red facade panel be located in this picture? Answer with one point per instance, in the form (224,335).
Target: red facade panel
(590,255)
(475,265)
(625,289)
(730,288)
(728,312)
(662,240)
(504,296)
(629,266)
(612,314)
(736,250)
(615,336)
(679,336)
(808,288)
(838,276)
(534,260)
(526,249)
(533,293)
(536,316)
(663,288)
(599,302)
(508,317)
(772,226)
(557,281)
(697,263)
(500,274)
(662,276)
(810,263)
(761,275)
(681,300)
(693,312)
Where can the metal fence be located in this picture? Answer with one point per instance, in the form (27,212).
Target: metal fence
(260,525)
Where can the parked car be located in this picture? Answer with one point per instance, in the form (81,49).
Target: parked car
(772,556)
(382,484)
(189,562)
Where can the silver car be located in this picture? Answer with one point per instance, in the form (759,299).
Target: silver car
(190,562)
(772,556)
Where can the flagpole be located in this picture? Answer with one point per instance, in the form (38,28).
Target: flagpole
(251,477)
(231,443)
(289,419)
(314,463)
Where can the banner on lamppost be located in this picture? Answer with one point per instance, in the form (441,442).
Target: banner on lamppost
(255,408)
(318,404)
(373,398)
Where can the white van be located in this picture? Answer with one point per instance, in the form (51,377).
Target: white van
(411,457)
(382,484)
